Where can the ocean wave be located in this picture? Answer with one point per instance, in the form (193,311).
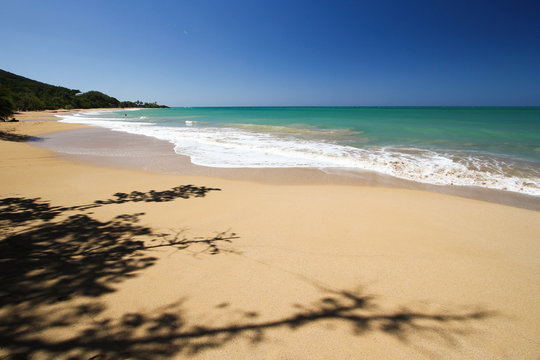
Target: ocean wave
(237,147)
(297,130)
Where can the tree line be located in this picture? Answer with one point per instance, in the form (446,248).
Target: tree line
(18,93)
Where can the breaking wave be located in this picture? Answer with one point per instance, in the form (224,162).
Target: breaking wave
(254,146)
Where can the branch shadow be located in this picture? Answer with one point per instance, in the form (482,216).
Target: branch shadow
(44,260)
(183,192)
(18,210)
(51,258)
(77,256)
(167,332)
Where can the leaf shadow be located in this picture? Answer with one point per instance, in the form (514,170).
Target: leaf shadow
(51,257)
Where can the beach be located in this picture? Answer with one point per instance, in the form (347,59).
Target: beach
(104,262)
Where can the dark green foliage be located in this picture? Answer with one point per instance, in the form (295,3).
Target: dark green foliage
(26,94)
(95,99)
(6,104)
(151,105)
(140,104)
(127,104)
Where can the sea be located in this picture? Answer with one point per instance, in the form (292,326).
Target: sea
(487,147)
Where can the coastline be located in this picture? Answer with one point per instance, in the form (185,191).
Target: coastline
(352,139)
(379,271)
(44,115)
(104,147)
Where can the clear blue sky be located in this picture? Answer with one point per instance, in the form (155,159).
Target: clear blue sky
(226,52)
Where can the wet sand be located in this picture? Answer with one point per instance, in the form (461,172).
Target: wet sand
(104,147)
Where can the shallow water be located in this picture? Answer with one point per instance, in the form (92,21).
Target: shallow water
(496,148)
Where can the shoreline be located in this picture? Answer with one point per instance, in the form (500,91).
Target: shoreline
(156,155)
(482,162)
(100,261)
(43,115)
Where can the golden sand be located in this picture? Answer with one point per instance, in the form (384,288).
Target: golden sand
(254,270)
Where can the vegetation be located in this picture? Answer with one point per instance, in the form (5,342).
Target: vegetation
(127,104)
(6,105)
(20,93)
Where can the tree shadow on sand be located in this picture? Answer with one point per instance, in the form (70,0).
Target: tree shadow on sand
(167,332)
(48,255)
(56,263)
(17,210)
(14,137)
(183,192)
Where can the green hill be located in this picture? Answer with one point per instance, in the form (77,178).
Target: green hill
(23,94)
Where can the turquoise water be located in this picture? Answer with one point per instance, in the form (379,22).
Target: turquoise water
(489,147)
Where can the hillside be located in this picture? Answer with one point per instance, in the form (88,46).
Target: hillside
(26,94)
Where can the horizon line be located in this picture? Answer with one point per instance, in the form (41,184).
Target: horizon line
(355,106)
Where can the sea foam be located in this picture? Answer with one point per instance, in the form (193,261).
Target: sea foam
(238,147)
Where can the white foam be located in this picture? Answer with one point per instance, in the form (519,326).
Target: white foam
(240,148)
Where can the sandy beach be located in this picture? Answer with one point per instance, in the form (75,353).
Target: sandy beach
(105,263)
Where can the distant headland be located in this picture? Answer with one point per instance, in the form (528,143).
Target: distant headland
(18,93)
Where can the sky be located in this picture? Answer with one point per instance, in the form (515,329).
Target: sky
(281,53)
